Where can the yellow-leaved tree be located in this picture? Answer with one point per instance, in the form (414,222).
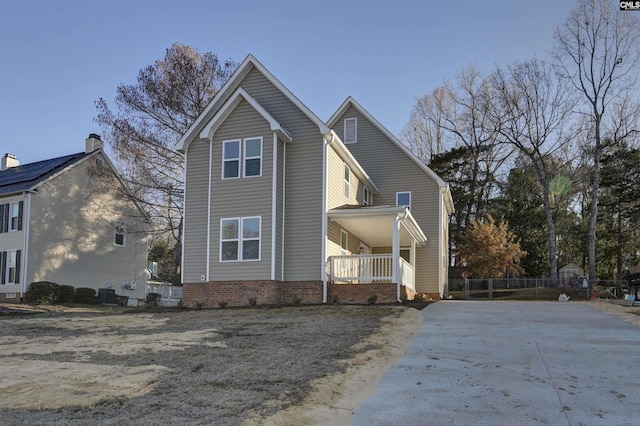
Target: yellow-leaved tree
(489,250)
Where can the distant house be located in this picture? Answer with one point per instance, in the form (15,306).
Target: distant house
(570,271)
(69,221)
(281,207)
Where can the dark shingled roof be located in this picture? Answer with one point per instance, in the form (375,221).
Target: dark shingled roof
(28,176)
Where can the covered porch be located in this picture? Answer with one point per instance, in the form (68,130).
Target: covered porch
(387,237)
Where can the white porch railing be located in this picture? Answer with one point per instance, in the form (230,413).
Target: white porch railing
(369,268)
(407,275)
(167,292)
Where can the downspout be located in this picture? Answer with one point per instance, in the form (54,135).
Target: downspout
(327,139)
(208,263)
(284,193)
(274,188)
(27,227)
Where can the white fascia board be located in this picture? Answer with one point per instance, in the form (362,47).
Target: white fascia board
(350,101)
(247,64)
(344,153)
(208,131)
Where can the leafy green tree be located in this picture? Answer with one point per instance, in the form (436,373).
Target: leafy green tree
(490,250)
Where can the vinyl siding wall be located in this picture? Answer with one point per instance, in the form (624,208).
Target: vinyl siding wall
(393,171)
(194,258)
(71,237)
(242,197)
(336,193)
(303,197)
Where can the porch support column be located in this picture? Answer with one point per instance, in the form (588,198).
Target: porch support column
(395,254)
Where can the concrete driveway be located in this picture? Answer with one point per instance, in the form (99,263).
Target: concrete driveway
(512,363)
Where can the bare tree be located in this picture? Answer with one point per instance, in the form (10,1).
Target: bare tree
(534,108)
(150,118)
(597,50)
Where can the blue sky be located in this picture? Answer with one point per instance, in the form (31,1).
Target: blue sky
(58,56)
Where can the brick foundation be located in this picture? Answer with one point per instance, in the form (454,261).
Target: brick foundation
(267,292)
(17,299)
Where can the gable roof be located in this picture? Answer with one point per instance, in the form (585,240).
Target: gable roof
(229,106)
(350,101)
(228,88)
(27,177)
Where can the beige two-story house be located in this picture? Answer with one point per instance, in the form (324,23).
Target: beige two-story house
(281,207)
(70,220)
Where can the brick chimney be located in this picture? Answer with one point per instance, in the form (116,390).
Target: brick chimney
(93,143)
(8,161)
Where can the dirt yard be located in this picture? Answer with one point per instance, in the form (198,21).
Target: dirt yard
(278,366)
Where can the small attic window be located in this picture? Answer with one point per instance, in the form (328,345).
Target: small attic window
(350,130)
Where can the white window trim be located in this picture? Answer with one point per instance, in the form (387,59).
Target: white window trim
(16,217)
(225,160)
(347,181)
(124,234)
(245,157)
(355,130)
(403,192)
(241,240)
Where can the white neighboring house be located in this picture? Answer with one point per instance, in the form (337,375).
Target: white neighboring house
(68,220)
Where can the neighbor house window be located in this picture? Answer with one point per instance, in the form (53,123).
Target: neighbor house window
(10,267)
(403,199)
(240,239)
(252,157)
(347,181)
(231,159)
(366,197)
(350,130)
(120,234)
(11,216)
(15,219)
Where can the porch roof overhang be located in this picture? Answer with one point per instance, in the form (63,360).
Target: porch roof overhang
(373,224)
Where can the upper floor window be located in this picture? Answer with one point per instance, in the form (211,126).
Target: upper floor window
(403,199)
(347,181)
(11,216)
(366,197)
(15,213)
(344,241)
(231,159)
(119,234)
(350,130)
(253,157)
(245,154)
(240,238)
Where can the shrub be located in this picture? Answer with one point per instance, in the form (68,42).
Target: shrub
(85,295)
(297,300)
(253,301)
(123,300)
(372,299)
(153,299)
(223,304)
(42,293)
(66,294)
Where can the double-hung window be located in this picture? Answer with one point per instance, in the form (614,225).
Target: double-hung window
(10,267)
(240,239)
(252,157)
(231,159)
(245,154)
(347,181)
(120,234)
(403,199)
(366,197)
(351,130)
(11,216)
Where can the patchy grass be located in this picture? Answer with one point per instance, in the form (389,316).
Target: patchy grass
(176,366)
